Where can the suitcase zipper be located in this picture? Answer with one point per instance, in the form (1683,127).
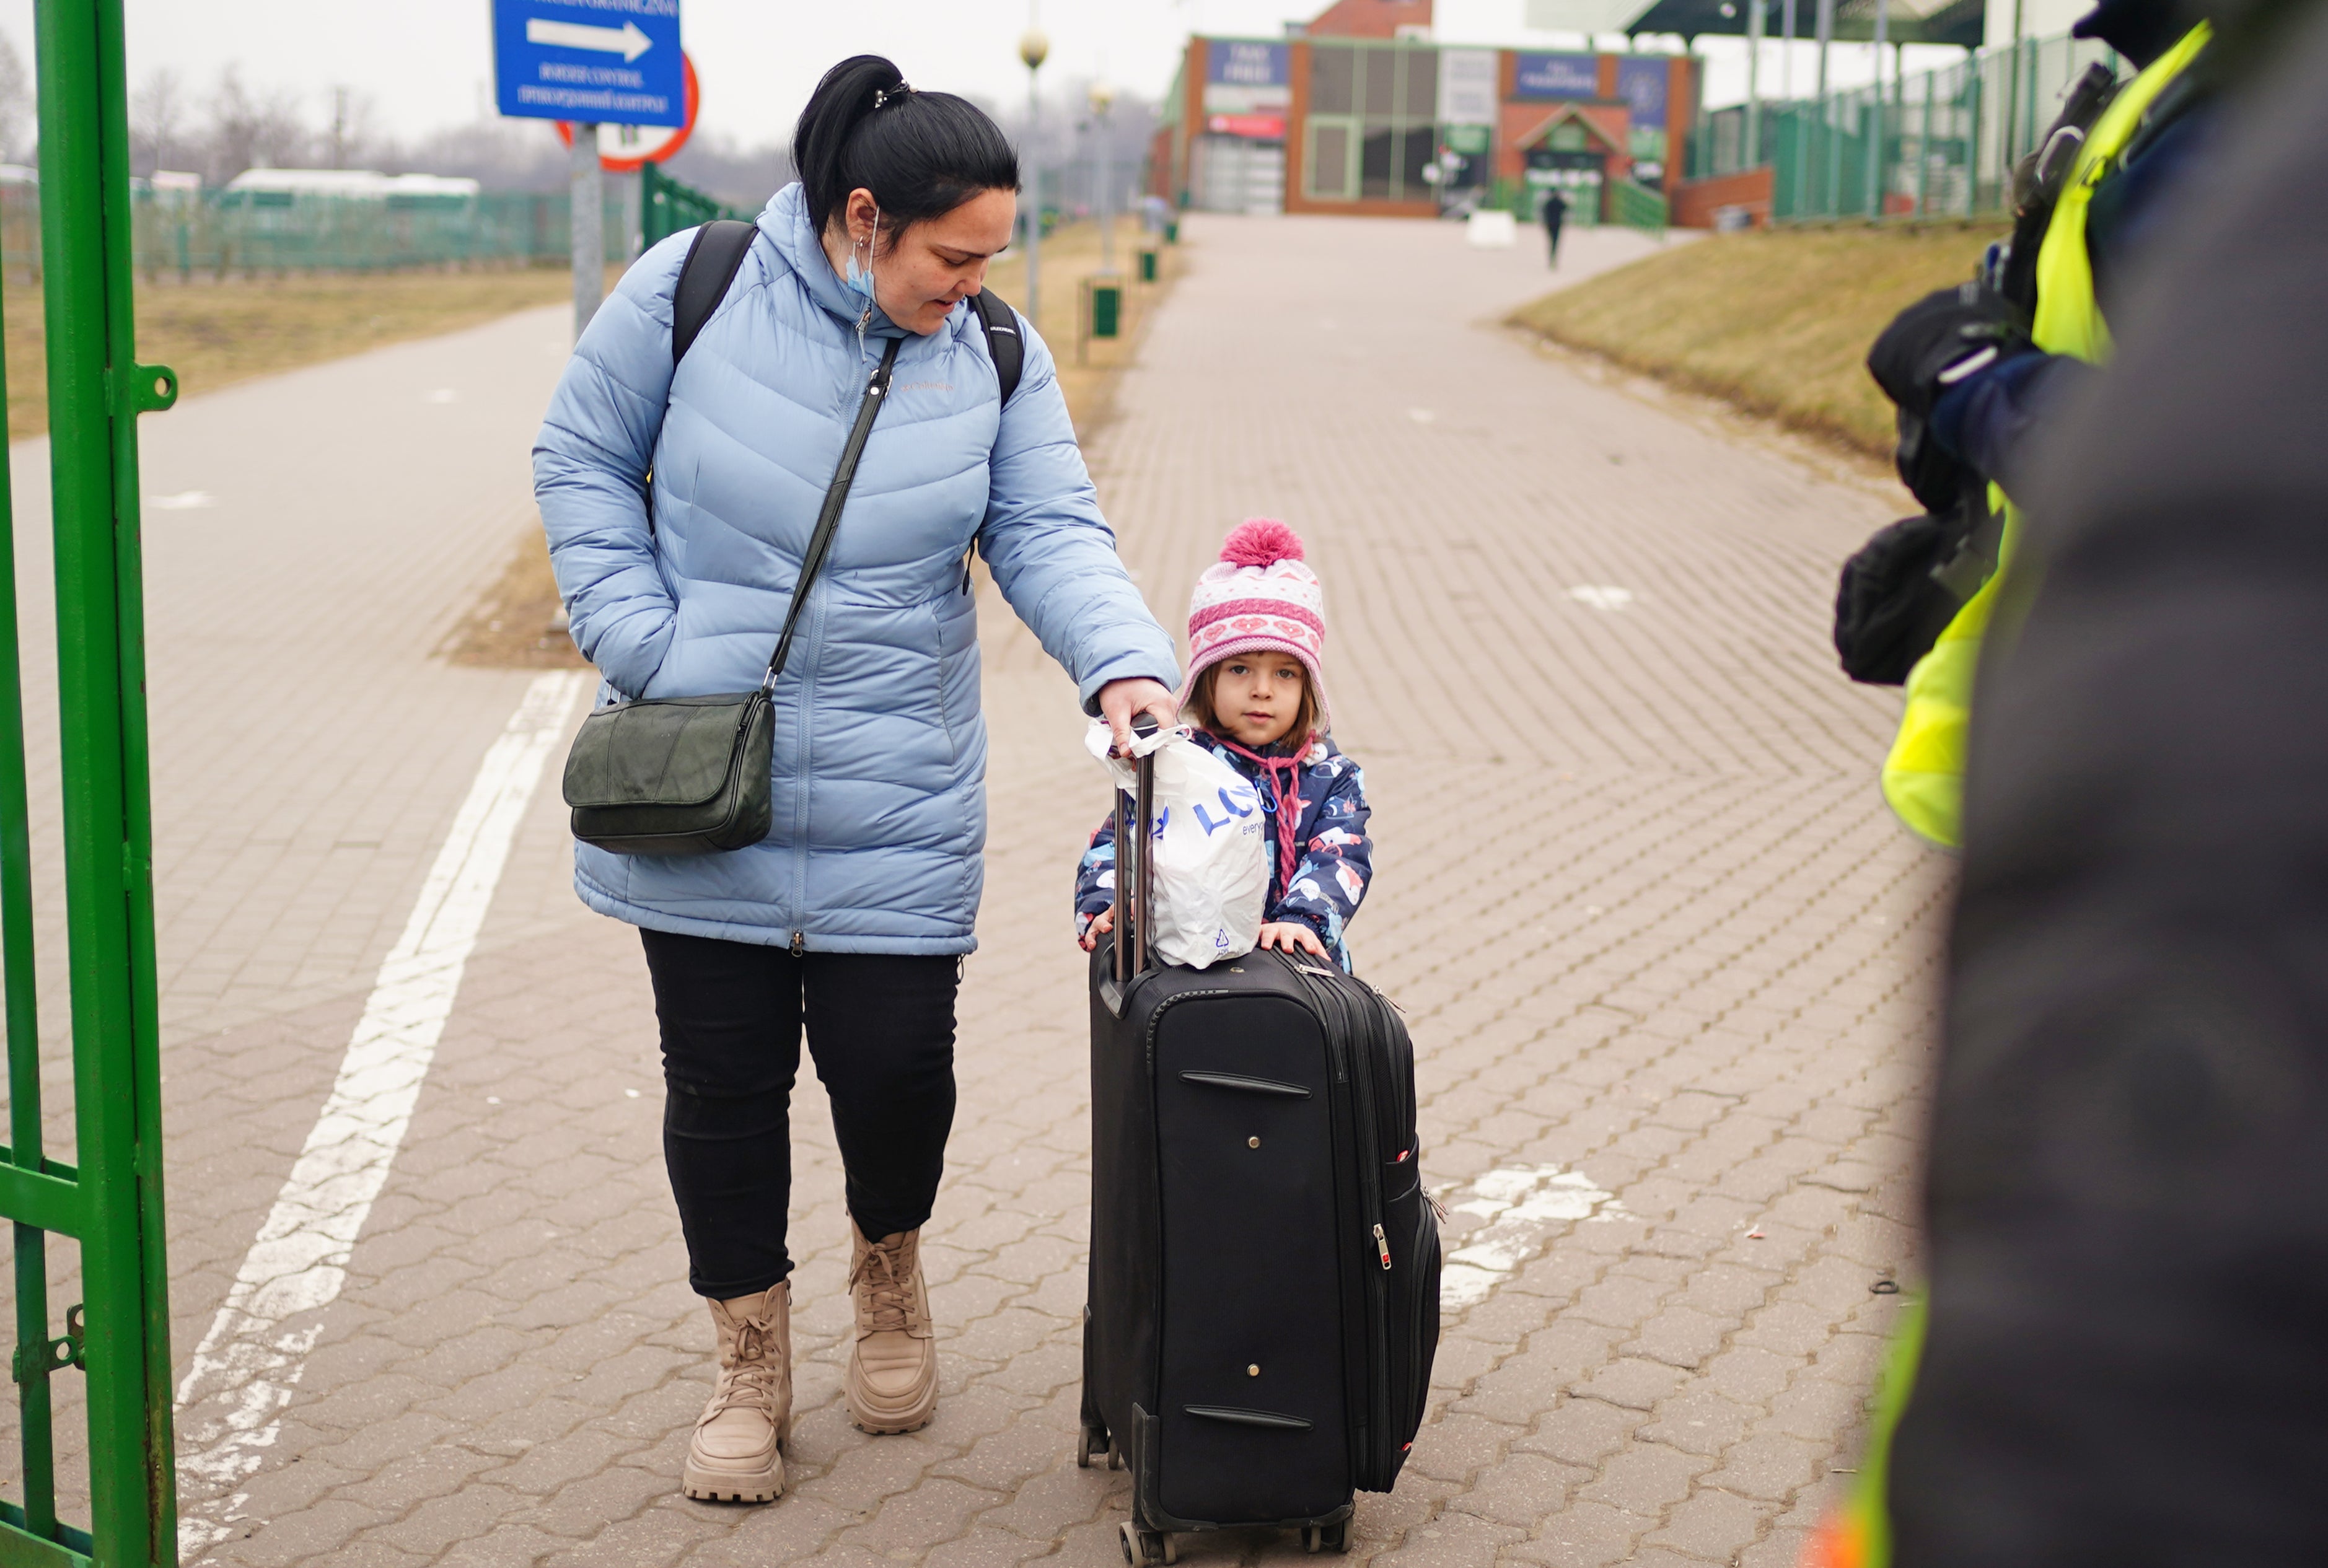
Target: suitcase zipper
(1330,1004)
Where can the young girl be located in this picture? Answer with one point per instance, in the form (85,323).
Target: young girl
(1257,696)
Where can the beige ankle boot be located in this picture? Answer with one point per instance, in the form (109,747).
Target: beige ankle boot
(892,1381)
(734,1457)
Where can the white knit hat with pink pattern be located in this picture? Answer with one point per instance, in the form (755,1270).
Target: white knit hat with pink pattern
(1259,597)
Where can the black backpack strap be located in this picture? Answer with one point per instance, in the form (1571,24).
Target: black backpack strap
(712,260)
(1004,344)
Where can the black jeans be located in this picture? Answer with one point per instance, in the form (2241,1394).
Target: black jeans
(880,1027)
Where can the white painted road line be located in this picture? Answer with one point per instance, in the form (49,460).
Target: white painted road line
(251,1359)
(1522,1204)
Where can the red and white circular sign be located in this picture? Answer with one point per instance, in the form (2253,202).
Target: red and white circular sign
(625,149)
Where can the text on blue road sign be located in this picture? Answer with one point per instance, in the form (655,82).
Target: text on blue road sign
(615,61)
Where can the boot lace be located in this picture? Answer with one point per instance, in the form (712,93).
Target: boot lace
(750,1379)
(887,1299)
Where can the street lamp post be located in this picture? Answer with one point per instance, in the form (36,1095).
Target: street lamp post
(1102,99)
(1034,49)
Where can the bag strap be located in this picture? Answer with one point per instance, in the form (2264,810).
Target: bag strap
(1004,342)
(836,496)
(712,262)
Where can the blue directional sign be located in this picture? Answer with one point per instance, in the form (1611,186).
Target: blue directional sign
(613,61)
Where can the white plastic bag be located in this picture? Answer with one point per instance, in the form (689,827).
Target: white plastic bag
(1208,838)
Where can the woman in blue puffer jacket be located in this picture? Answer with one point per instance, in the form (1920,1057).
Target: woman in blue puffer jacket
(679,505)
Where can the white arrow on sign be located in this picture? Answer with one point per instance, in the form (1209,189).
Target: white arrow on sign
(626,41)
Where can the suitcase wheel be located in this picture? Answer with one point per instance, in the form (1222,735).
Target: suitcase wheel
(1327,1537)
(1144,1548)
(1090,1440)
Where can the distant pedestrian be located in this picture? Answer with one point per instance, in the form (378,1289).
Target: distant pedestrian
(1555,208)
(680,502)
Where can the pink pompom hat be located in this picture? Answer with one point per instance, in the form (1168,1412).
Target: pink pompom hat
(1259,597)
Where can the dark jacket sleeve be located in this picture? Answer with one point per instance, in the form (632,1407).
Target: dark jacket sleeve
(1336,861)
(1991,421)
(1994,422)
(2127,1191)
(1096,876)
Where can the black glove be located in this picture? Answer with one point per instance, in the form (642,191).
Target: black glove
(1931,474)
(1941,339)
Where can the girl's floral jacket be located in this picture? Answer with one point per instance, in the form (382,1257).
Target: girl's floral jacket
(1329,856)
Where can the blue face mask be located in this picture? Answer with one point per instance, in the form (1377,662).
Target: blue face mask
(858,280)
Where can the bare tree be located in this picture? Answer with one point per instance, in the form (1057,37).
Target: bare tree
(355,139)
(17,116)
(157,123)
(251,132)
(737,174)
(501,154)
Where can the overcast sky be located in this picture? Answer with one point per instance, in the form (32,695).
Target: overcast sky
(426,63)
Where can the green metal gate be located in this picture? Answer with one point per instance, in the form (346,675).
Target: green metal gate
(667,205)
(111,1204)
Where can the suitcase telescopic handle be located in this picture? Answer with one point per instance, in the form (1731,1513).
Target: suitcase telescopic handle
(1134,876)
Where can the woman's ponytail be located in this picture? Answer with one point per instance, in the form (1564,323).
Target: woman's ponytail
(921,153)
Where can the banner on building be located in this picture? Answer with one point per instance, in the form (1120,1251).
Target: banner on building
(1542,77)
(1467,87)
(1246,78)
(1641,80)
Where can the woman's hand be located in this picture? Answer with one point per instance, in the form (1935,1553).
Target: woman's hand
(1289,936)
(1102,925)
(1119,700)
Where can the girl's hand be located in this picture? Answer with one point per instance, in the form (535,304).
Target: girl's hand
(1102,925)
(1289,936)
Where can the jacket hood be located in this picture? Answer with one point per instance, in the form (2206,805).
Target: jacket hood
(784,221)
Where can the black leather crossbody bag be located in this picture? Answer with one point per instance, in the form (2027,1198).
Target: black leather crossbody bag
(690,775)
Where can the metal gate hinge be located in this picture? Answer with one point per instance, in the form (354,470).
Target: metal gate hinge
(152,388)
(38,1360)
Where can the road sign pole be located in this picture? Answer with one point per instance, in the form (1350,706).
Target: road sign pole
(589,227)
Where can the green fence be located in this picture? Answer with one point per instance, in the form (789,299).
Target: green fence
(214,233)
(1930,144)
(1637,207)
(109,1203)
(666,206)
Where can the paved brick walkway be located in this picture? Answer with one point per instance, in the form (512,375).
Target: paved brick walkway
(1663,952)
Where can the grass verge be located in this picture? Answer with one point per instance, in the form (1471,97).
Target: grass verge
(1775,323)
(214,335)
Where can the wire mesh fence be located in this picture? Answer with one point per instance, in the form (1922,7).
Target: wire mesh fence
(1932,144)
(222,233)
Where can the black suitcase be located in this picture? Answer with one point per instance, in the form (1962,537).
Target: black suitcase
(1264,1301)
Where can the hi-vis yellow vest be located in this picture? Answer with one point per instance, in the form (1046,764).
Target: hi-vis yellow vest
(1923,778)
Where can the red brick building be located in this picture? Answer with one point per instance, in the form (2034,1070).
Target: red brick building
(1362,111)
